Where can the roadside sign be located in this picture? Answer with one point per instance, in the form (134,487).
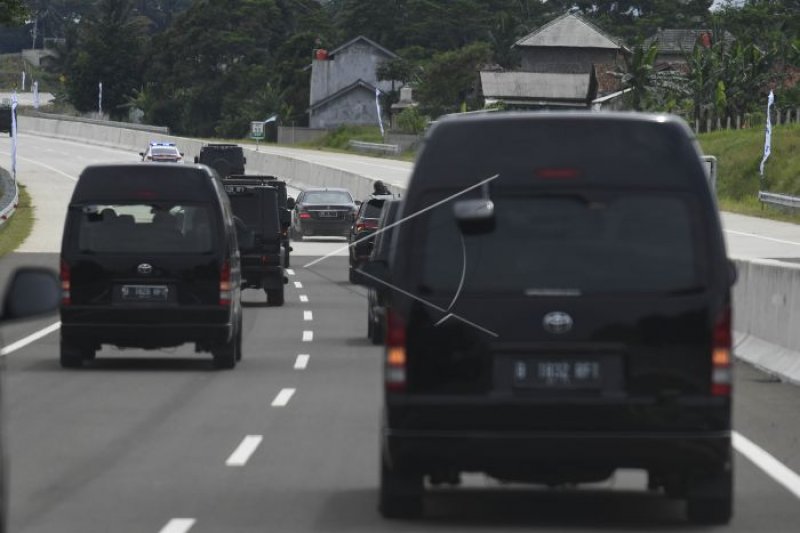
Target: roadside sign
(256,130)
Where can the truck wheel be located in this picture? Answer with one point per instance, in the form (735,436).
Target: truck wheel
(275,297)
(401,493)
(710,501)
(286,263)
(377,333)
(226,355)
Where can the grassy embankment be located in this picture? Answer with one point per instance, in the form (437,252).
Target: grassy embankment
(739,155)
(18,227)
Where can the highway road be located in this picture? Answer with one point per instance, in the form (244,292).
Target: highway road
(287,442)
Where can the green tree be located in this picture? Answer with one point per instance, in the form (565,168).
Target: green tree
(450,79)
(107,50)
(12,12)
(639,75)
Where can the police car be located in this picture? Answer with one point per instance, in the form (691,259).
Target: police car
(162,152)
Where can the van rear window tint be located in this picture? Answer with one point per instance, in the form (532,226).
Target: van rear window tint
(628,243)
(145,228)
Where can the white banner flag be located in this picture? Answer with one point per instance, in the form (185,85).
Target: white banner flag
(36,95)
(23,80)
(768,137)
(100,98)
(378,107)
(14,135)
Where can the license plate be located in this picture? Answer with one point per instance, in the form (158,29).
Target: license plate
(559,373)
(145,293)
(328,214)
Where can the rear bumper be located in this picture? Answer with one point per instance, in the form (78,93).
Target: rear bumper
(332,228)
(157,329)
(558,456)
(542,440)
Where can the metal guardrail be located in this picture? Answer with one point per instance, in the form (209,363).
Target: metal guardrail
(783,200)
(9,201)
(375,147)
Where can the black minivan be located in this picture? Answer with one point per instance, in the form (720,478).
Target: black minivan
(560,308)
(150,259)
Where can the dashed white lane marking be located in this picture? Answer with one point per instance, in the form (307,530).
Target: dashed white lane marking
(304,298)
(767,462)
(302,361)
(283,398)
(242,454)
(178,525)
(756,236)
(298,285)
(308,336)
(290,272)
(33,337)
(308,315)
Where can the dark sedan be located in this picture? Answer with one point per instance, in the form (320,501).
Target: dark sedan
(324,212)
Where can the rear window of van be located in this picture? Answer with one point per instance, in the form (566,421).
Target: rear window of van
(145,228)
(633,242)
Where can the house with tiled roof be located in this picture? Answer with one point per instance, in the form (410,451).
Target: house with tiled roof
(567,63)
(343,84)
(674,45)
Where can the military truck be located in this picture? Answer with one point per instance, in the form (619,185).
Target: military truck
(255,210)
(284,209)
(226,159)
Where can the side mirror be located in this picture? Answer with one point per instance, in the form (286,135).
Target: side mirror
(290,203)
(733,273)
(373,274)
(181,154)
(474,216)
(244,160)
(196,159)
(31,292)
(359,202)
(141,154)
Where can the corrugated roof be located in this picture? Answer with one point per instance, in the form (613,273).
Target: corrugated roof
(569,31)
(682,40)
(536,85)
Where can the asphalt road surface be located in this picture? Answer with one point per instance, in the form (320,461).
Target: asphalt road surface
(287,442)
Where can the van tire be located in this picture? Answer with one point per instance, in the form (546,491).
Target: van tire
(226,355)
(286,263)
(401,493)
(71,356)
(275,297)
(376,332)
(710,501)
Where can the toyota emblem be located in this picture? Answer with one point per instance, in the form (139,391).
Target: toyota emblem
(557,322)
(145,269)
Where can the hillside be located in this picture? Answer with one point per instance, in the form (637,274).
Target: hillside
(739,155)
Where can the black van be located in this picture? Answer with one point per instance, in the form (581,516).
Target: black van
(285,206)
(377,296)
(256,213)
(149,259)
(560,308)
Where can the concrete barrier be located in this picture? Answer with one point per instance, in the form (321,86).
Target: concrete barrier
(766,296)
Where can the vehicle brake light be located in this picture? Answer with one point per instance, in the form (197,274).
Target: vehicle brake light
(66,284)
(395,365)
(305,215)
(225,288)
(721,360)
(360,227)
(557,173)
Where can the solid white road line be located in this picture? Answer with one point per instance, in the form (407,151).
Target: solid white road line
(307,316)
(283,398)
(298,285)
(304,298)
(302,361)
(290,272)
(767,462)
(756,236)
(14,346)
(308,336)
(48,167)
(178,525)
(245,449)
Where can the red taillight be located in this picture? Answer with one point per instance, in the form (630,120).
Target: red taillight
(371,224)
(225,288)
(304,215)
(360,227)
(395,365)
(555,173)
(721,357)
(66,283)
